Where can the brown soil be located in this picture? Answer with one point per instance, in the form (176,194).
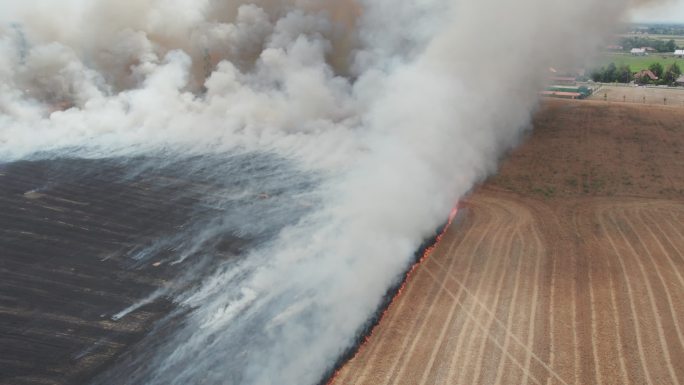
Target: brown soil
(566,268)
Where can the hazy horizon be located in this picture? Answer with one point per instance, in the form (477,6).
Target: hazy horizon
(672,12)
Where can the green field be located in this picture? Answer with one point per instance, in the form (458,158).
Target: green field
(637,63)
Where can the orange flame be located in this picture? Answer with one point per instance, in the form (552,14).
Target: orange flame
(423,258)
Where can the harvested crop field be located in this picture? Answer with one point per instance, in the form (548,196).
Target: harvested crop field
(566,268)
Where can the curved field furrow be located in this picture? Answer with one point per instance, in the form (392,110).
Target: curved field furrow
(490,301)
(436,368)
(500,324)
(566,268)
(396,341)
(374,355)
(442,335)
(666,247)
(593,316)
(483,295)
(502,304)
(512,317)
(461,350)
(652,245)
(421,352)
(676,240)
(475,277)
(499,371)
(467,313)
(411,343)
(365,356)
(634,315)
(658,344)
(605,320)
(552,318)
(537,251)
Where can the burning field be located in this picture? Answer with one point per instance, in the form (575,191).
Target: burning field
(228,192)
(566,268)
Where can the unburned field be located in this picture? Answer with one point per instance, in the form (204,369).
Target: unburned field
(637,63)
(566,268)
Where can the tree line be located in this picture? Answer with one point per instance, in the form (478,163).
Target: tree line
(623,74)
(628,43)
(666,29)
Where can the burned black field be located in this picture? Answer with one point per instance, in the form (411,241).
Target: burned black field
(93,251)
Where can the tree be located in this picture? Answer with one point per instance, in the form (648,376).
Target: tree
(657,69)
(609,75)
(671,46)
(671,74)
(612,73)
(623,74)
(639,42)
(597,75)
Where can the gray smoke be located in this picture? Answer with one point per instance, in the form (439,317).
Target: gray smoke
(402,105)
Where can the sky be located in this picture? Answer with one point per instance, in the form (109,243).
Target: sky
(672,12)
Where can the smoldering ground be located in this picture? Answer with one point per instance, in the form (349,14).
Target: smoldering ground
(395,108)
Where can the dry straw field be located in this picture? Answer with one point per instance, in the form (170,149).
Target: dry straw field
(566,268)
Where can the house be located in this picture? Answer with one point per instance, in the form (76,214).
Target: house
(638,51)
(561,95)
(645,75)
(581,91)
(680,81)
(679,53)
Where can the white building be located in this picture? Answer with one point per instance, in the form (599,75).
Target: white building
(638,51)
(679,53)
(680,80)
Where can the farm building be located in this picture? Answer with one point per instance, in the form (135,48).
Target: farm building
(679,53)
(582,91)
(680,81)
(562,95)
(638,52)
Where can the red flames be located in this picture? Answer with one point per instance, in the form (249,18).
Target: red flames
(422,259)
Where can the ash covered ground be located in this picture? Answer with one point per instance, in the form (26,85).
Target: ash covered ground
(99,253)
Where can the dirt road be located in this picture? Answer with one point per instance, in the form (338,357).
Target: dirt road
(567,268)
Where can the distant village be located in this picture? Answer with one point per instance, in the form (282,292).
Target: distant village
(642,44)
(643,56)
(659,71)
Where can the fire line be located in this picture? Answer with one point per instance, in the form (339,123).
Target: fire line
(409,274)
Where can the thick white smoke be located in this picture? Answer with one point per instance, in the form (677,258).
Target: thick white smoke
(403,105)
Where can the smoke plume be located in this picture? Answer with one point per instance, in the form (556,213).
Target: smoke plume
(399,107)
